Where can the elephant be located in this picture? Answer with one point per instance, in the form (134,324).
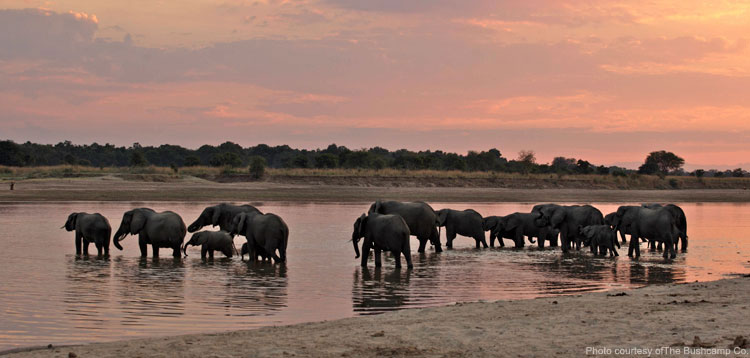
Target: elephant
(420,217)
(267,231)
(680,219)
(490,224)
(467,223)
(629,213)
(382,232)
(220,215)
(165,229)
(90,228)
(567,219)
(600,238)
(654,224)
(517,225)
(210,241)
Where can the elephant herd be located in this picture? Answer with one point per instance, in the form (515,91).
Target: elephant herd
(266,234)
(388,225)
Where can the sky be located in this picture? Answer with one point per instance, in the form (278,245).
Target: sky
(608,81)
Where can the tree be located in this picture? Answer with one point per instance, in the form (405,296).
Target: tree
(662,162)
(738,173)
(699,173)
(192,161)
(137,159)
(326,160)
(257,166)
(563,165)
(527,156)
(584,167)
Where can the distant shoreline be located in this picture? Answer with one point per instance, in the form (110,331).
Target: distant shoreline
(114,188)
(678,316)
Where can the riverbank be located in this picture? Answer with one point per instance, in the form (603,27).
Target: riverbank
(114,188)
(706,315)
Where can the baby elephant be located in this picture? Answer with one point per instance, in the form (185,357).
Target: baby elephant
(90,228)
(210,241)
(601,238)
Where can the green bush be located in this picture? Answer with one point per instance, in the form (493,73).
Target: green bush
(257,166)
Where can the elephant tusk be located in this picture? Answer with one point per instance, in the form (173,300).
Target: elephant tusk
(62,227)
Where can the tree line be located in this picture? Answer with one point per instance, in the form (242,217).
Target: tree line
(230,154)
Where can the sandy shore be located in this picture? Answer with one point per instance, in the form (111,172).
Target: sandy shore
(648,318)
(110,188)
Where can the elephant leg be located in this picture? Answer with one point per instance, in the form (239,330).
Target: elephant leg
(435,239)
(622,236)
(673,254)
(553,241)
(397,257)
(143,246)
(98,249)
(483,241)
(211,254)
(422,244)
(378,263)
(156,250)
(79,238)
(407,256)
(365,253)
(492,239)
(564,242)
(540,240)
(85,248)
(450,236)
(176,251)
(684,240)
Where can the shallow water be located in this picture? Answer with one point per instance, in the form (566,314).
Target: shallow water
(50,296)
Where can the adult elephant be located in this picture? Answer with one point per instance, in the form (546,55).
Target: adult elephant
(382,233)
(267,231)
(419,216)
(680,219)
(519,225)
(567,219)
(466,223)
(220,215)
(90,228)
(628,214)
(654,224)
(165,229)
(490,223)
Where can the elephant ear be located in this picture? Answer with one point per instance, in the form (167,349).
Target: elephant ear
(442,217)
(557,217)
(215,216)
(241,222)
(378,206)
(511,222)
(70,224)
(199,238)
(138,222)
(362,225)
(487,224)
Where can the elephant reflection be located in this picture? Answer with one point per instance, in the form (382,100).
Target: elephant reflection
(87,287)
(150,287)
(377,291)
(240,289)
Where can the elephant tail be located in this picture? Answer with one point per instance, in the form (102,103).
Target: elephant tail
(282,244)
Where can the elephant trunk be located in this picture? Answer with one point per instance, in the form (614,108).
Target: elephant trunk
(119,235)
(184,250)
(356,248)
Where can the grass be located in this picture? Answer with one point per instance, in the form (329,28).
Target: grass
(382,176)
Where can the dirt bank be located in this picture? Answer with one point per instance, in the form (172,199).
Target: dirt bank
(112,188)
(648,318)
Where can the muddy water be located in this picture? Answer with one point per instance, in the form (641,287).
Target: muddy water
(50,296)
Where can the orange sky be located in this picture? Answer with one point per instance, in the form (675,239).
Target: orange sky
(608,81)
